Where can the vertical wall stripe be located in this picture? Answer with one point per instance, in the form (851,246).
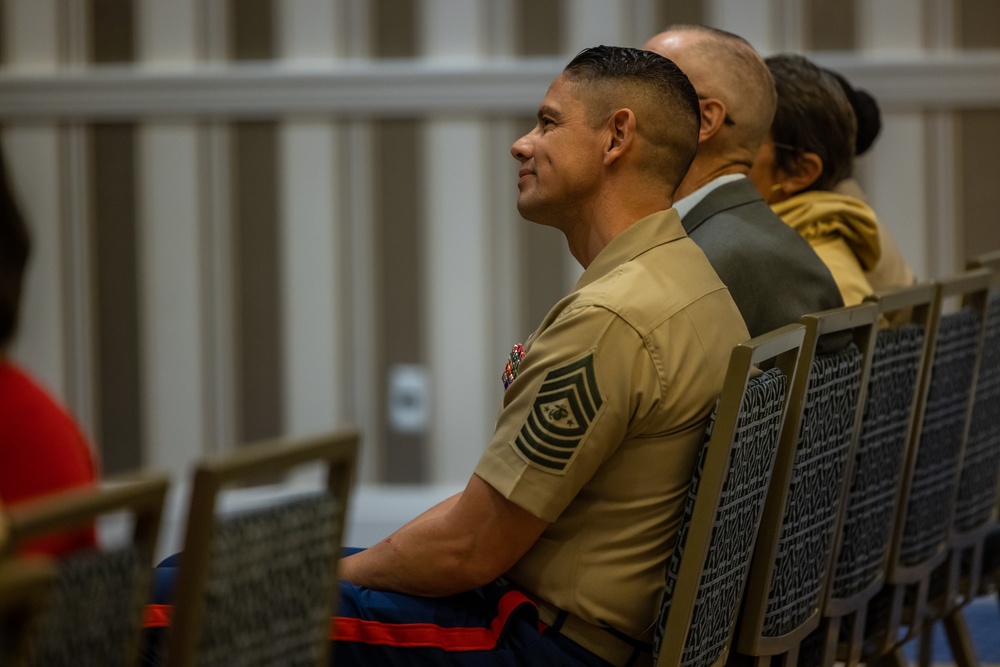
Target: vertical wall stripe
(452,29)
(255,209)
(168,32)
(111,29)
(218,310)
(647,18)
(830,26)
(669,12)
(218,296)
(979,151)
(169,240)
(308,29)
(978,24)
(761,22)
(311,261)
(169,244)
(978,143)
(942,205)
(112,168)
(31,35)
(460,312)
(890,24)
(393,26)
(251,36)
(592,22)
(538,30)
(402,293)
(399,236)
(311,239)
(213,29)
(258,281)
(120,405)
(896,187)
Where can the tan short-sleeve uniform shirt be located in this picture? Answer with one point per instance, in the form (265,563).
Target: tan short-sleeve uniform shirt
(599,430)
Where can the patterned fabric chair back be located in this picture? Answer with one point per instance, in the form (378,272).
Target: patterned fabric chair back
(794,551)
(977,487)
(974,563)
(870,512)
(257,587)
(930,486)
(871,504)
(930,476)
(94,611)
(707,571)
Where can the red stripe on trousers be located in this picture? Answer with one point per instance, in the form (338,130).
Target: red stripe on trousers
(157,616)
(427,635)
(395,634)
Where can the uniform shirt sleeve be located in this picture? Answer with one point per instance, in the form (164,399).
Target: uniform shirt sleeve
(585,382)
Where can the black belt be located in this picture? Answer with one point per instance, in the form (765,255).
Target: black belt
(614,647)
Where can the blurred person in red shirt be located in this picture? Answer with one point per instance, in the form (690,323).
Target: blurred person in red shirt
(42,449)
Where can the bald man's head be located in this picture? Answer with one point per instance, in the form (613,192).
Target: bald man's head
(724,66)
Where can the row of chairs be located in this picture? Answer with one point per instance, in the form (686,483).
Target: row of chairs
(254,586)
(844,495)
(839,508)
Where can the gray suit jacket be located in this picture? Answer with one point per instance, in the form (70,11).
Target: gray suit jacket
(772,273)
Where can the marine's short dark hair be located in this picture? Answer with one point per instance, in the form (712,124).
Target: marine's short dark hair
(813,115)
(661,95)
(15,246)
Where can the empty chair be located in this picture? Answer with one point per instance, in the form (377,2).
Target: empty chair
(869,512)
(94,612)
(256,587)
(706,574)
(930,476)
(792,558)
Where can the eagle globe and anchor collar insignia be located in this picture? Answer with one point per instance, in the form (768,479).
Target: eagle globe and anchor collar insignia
(564,408)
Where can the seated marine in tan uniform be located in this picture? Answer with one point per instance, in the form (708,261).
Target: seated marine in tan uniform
(577,500)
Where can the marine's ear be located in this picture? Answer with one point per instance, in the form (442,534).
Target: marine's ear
(621,134)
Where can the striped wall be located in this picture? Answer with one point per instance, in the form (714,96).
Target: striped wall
(264,217)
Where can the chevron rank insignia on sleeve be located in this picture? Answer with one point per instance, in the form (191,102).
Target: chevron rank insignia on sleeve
(564,408)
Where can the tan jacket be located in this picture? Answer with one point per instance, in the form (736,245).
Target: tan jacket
(844,233)
(892,271)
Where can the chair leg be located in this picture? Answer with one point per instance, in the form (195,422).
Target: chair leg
(856,641)
(889,641)
(925,642)
(791,658)
(830,632)
(959,639)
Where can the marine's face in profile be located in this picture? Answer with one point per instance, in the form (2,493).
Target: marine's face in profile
(560,158)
